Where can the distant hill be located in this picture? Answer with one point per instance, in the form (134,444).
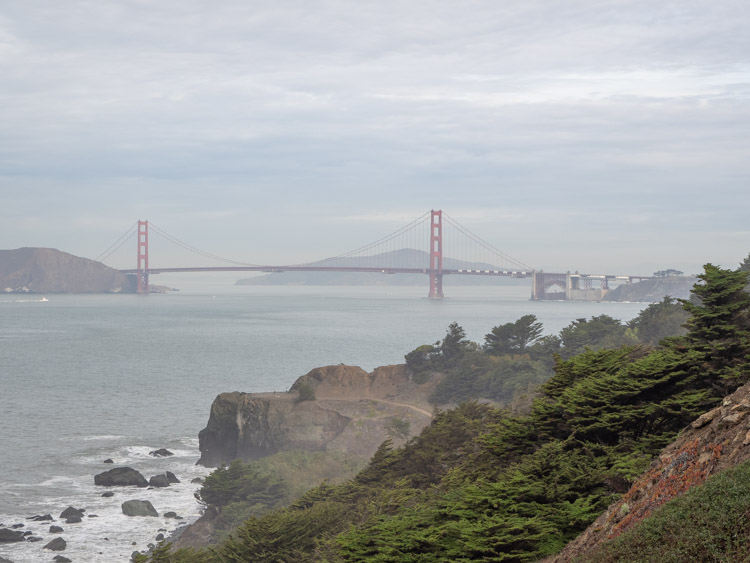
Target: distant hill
(653,290)
(404,258)
(46,270)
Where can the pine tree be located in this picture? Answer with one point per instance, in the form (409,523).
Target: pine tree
(719,326)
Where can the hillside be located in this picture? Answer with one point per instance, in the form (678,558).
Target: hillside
(482,483)
(46,270)
(714,442)
(653,290)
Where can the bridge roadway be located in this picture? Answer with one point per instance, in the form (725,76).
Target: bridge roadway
(271,269)
(544,285)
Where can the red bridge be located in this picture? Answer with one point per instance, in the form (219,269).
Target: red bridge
(397,253)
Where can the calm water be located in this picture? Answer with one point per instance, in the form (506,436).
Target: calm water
(90,377)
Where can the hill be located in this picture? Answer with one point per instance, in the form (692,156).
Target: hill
(47,270)
(653,290)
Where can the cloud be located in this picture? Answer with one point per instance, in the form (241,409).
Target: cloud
(582,124)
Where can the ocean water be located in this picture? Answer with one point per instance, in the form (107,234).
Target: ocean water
(84,378)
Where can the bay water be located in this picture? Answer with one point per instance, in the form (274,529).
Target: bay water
(84,378)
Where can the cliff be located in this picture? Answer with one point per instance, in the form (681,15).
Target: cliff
(715,441)
(352,412)
(46,270)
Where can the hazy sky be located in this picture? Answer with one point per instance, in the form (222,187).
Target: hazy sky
(591,135)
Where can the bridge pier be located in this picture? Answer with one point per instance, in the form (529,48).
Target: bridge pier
(436,286)
(575,287)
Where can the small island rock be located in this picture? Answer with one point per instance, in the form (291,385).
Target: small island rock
(71,512)
(57,544)
(159,481)
(120,477)
(163,452)
(8,536)
(138,508)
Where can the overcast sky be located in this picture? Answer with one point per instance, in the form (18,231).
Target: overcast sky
(577,135)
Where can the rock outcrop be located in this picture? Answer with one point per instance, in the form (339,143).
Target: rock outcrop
(120,477)
(653,290)
(715,441)
(138,508)
(9,536)
(351,411)
(46,270)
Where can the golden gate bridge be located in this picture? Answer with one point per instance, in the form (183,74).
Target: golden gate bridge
(434,244)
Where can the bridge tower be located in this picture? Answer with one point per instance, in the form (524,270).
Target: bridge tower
(142,257)
(436,255)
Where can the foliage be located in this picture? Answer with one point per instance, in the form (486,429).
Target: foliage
(423,358)
(719,325)
(241,490)
(708,523)
(669,273)
(513,338)
(398,428)
(481,484)
(498,378)
(660,320)
(454,345)
(306,392)
(598,333)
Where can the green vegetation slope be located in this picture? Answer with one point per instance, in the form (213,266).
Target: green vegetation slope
(481,483)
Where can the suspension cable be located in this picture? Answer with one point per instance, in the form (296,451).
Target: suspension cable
(194,250)
(117,244)
(382,240)
(484,244)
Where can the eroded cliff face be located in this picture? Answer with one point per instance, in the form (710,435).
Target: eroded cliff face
(715,441)
(353,412)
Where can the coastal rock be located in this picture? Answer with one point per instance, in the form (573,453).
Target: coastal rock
(350,414)
(159,537)
(73,520)
(45,518)
(55,530)
(120,477)
(108,494)
(17,526)
(71,512)
(61,559)
(57,544)
(4,560)
(162,452)
(108,461)
(170,514)
(171,477)
(9,536)
(197,481)
(159,481)
(138,508)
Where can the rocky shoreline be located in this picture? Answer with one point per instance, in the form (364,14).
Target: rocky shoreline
(52,530)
